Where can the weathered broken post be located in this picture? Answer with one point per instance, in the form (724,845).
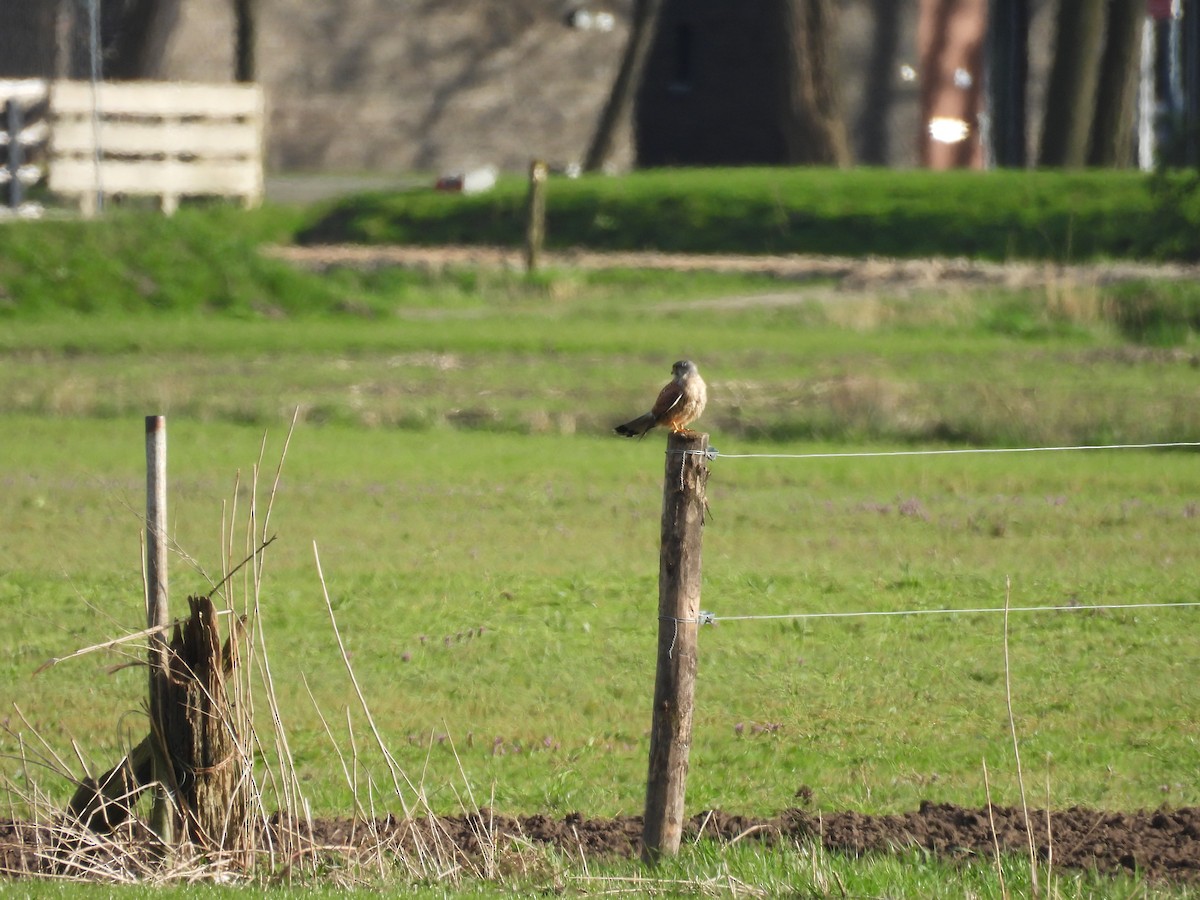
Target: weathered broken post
(194,757)
(157,616)
(205,737)
(678,620)
(535,214)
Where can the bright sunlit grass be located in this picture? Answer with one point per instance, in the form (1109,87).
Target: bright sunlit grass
(496,594)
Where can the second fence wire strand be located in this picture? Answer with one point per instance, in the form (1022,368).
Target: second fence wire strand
(707,618)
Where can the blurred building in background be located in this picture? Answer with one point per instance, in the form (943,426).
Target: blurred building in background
(442,85)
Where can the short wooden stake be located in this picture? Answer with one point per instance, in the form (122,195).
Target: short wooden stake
(678,621)
(157,616)
(535,214)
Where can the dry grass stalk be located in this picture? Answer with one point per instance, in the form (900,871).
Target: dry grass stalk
(1051,889)
(995,838)
(1012,727)
(442,848)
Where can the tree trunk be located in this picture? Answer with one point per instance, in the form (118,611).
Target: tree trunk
(245,25)
(1116,95)
(873,145)
(641,38)
(1074,80)
(134,36)
(28,30)
(810,108)
(1009,75)
(1191,82)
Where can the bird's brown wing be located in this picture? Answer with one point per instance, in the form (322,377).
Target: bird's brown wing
(668,398)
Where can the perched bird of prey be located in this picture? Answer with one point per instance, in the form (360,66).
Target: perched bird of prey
(678,405)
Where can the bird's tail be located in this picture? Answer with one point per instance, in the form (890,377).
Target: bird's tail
(637,427)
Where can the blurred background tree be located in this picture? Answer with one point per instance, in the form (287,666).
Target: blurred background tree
(810,109)
(1093,81)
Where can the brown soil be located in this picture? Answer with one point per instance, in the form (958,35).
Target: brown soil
(1162,845)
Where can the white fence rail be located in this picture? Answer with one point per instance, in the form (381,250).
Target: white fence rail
(161,139)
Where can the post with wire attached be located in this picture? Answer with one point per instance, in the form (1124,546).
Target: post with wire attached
(678,620)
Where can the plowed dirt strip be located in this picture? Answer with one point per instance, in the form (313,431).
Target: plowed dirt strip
(1161,845)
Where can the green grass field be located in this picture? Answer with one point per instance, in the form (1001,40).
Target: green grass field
(500,590)
(491,552)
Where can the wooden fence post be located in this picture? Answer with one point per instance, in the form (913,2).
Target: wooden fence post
(678,620)
(157,616)
(535,211)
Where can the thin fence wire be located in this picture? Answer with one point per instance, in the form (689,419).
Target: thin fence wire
(712,452)
(709,618)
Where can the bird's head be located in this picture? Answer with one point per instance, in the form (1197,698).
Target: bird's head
(684,369)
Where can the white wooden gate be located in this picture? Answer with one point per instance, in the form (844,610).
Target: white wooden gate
(163,139)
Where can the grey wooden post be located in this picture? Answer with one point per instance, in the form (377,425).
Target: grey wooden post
(678,621)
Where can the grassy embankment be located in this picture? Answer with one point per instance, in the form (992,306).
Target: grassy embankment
(997,215)
(491,553)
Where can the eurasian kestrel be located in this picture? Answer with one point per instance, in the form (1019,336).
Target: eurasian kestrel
(678,405)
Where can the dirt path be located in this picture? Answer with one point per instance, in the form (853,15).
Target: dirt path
(849,273)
